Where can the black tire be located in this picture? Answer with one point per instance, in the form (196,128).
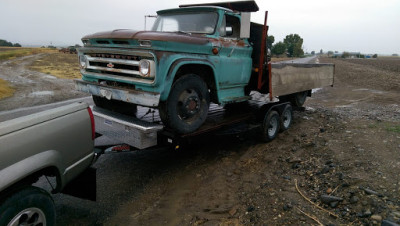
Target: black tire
(115,105)
(298,99)
(28,206)
(270,126)
(187,106)
(286,118)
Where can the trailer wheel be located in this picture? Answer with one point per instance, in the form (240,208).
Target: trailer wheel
(270,126)
(29,206)
(286,118)
(115,105)
(187,106)
(298,99)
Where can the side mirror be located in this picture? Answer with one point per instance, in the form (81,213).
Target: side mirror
(245,25)
(229,31)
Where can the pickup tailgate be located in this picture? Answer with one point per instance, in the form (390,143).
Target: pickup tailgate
(288,78)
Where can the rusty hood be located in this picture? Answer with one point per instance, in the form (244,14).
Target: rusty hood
(149,35)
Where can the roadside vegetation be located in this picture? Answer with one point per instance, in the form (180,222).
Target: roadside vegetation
(291,46)
(60,65)
(5,89)
(8,53)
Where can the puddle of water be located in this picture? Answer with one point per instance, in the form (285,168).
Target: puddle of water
(41,93)
(370,90)
(316,90)
(49,76)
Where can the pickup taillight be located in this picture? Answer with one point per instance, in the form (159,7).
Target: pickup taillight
(92,123)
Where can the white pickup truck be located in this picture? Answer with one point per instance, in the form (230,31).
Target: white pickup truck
(57,143)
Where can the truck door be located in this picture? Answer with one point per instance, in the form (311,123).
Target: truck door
(235,55)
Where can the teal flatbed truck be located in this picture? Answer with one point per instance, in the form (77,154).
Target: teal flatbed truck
(193,56)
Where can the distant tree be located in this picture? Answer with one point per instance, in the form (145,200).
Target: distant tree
(270,41)
(395,54)
(5,43)
(77,45)
(321,52)
(375,56)
(298,50)
(17,45)
(279,48)
(345,55)
(294,45)
(313,52)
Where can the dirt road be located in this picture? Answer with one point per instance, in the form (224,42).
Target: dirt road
(33,88)
(346,144)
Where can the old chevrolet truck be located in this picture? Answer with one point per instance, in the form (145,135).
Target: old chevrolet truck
(56,143)
(193,55)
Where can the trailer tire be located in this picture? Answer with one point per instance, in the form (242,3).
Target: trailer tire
(286,118)
(298,99)
(187,105)
(270,126)
(115,105)
(28,206)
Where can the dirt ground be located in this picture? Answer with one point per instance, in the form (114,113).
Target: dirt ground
(338,164)
(33,87)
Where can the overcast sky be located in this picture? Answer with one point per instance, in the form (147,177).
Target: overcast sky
(367,26)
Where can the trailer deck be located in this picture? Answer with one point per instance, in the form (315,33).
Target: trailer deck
(145,129)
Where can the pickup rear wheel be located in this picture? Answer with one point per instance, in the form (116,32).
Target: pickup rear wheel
(28,206)
(187,106)
(115,105)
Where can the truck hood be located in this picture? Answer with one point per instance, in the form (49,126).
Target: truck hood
(150,35)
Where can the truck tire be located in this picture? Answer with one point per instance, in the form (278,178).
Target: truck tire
(187,106)
(115,105)
(270,126)
(286,118)
(298,99)
(28,206)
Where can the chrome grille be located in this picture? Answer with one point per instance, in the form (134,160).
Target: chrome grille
(116,65)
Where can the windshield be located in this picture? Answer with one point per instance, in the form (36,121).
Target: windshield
(203,23)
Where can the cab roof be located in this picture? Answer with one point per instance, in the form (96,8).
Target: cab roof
(240,6)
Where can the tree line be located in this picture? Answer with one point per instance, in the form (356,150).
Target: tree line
(292,46)
(5,43)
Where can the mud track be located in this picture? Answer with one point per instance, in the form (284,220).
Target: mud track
(33,88)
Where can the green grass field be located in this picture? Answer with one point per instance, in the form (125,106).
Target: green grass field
(5,89)
(7,53)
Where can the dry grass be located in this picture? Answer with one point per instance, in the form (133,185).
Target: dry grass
(5,89)
(60,65)
(8,53)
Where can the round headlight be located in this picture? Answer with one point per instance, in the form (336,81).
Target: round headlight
(144,67)
(82,61)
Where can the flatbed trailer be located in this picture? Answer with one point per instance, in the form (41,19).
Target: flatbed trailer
(145,129)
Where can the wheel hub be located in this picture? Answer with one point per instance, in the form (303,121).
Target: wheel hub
(189,104)
(30,216)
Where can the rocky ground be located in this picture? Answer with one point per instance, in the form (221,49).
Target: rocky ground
(338,164)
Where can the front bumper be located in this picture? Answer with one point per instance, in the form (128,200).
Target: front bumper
(148,99)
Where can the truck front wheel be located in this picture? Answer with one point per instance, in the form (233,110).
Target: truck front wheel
(187,106)
(28,206)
